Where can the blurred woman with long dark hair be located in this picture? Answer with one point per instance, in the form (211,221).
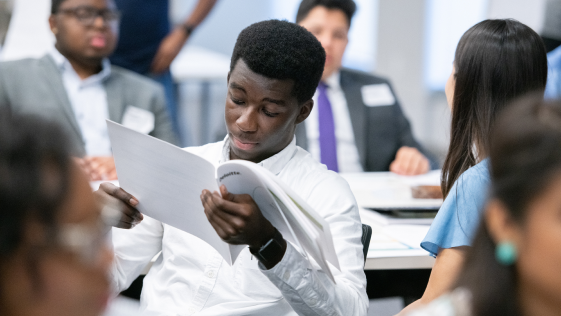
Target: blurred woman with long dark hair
(496,61)
(513,266)
(53,254)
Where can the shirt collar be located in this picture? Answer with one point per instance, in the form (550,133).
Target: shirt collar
(275,163)
(64,65)
(333,81)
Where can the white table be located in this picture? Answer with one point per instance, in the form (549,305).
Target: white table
(393,246)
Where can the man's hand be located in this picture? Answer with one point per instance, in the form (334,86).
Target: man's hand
(98,168)
(409,162)
(111,195)
(237,218)
(169,48)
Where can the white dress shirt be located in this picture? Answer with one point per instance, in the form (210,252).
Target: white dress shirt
(191,278)
(348,158)
(89,102)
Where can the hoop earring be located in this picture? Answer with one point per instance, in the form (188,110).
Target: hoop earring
(506,253)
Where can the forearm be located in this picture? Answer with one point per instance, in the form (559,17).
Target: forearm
(311,292)
(202,9)
(443,276)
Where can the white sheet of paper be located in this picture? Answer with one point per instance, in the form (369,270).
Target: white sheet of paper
(377,95)
(138,119)
(167,181)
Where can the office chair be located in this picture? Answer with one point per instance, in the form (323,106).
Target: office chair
(366,234)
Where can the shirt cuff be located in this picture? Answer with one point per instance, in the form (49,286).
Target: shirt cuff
(293,277)
(284,271)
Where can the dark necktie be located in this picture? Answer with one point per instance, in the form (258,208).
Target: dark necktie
(327,140)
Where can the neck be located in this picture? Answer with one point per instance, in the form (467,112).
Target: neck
(85,70)
(536,302)
(82,66)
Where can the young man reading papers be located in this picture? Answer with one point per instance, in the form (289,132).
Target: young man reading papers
(275,69)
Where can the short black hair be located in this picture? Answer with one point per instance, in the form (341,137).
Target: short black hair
(347,6)
(282,50)
(55,5)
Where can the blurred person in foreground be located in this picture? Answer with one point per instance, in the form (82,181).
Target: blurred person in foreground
(75,86)
(357,123)
(513,265)
(54,259)
(274,71)
(148,45)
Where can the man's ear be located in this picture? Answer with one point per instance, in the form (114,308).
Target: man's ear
(305,110)
(53,24)
(500,224)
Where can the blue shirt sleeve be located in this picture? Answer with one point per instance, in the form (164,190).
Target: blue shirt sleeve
(553,86)
(458,218)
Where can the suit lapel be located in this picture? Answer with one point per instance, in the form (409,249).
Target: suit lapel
(115,102)
(357,113)
(53,77)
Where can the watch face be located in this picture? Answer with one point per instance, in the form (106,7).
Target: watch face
(271,249)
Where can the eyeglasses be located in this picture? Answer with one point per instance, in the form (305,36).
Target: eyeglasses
(87,15)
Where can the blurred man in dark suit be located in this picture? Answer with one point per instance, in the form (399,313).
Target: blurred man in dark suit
(357,123)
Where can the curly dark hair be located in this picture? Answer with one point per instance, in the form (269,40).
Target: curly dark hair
(282,50)
(347,6)
(34,176)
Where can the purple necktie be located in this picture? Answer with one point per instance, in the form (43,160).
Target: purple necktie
(327,141)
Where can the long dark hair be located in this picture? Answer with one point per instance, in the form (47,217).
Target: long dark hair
(525,155)
(34,177)
(496,61)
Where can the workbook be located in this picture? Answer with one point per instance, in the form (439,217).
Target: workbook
(168,182)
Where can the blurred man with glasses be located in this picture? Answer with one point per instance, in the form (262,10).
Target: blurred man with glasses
(75,85)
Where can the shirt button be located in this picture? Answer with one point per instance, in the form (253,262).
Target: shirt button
(286,276)
(191,310)
(313,302)
(210,274)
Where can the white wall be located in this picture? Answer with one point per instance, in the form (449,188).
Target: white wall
(529,12)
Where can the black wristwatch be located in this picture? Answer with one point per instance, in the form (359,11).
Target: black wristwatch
(188,28)
(270,250)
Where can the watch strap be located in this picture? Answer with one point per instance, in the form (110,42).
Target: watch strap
(188,28)
(270,249)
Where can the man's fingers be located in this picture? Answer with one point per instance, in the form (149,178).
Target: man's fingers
(225,194)
(216,203)
(118,193)
(132,213)
(216,218)
(409,161)
(126,224)
(160,63)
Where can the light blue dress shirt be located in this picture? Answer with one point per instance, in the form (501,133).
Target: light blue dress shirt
(553,87)
(458,217)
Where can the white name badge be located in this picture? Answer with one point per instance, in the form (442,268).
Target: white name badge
(138,119)
(377,95)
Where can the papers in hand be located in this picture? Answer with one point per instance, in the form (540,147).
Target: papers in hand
(168,181)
